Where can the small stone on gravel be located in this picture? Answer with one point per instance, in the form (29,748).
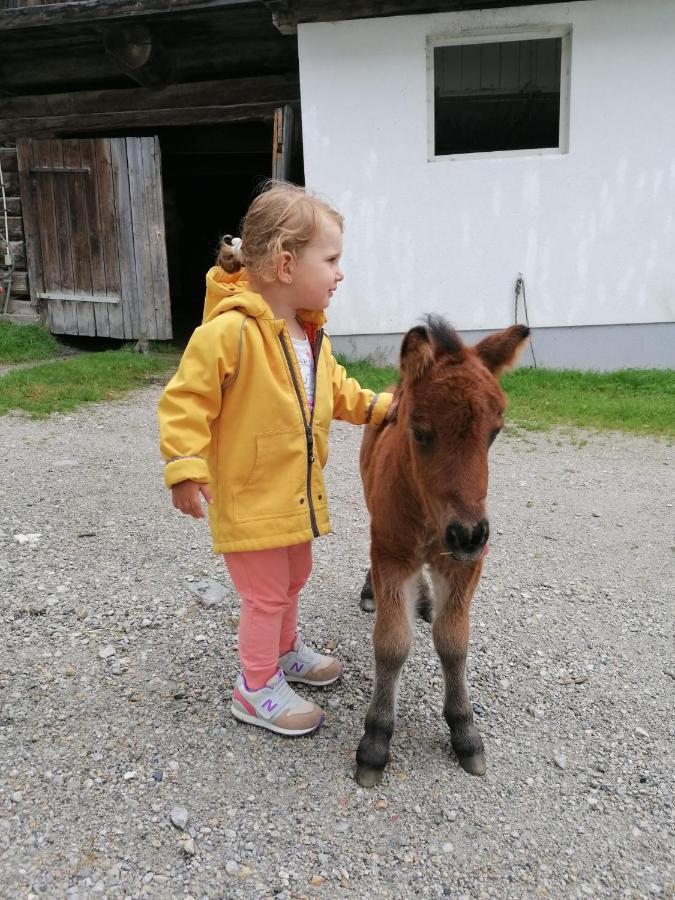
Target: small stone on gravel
(179,817)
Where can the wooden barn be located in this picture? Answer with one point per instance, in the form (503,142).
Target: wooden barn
(132,135)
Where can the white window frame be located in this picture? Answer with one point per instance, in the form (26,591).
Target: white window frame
(500,36)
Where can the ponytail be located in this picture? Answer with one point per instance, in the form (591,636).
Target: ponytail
(230,254)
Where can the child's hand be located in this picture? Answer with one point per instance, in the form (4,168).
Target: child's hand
(186,497)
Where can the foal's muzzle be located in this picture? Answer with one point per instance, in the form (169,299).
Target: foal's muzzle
(467,543)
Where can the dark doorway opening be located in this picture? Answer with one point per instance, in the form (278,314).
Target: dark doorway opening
(209,176)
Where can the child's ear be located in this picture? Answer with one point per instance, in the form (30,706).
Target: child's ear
(285,267)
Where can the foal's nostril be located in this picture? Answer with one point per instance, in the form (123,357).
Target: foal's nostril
(481,533)
(457,537)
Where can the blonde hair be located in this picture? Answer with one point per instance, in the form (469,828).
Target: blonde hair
(283,217)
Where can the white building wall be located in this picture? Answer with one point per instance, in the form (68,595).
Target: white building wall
(592,230)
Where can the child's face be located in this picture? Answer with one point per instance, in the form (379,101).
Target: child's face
(316,271)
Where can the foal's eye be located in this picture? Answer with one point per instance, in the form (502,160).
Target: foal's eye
(421,437)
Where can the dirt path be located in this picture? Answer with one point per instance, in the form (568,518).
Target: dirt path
(114,683)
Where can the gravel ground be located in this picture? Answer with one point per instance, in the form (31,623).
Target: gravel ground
(122,773)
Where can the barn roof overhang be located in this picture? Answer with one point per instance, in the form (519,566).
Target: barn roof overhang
(286,14)
(116,44)
(89,65)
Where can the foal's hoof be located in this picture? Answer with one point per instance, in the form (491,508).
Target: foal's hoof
(367,604)
(367,777)
(474,765)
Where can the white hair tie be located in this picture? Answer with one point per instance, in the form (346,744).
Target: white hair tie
(236,245)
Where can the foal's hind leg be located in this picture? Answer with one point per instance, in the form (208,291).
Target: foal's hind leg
(451,638)
(424,602)
(367,601)
(392,638)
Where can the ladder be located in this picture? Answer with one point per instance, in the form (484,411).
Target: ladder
(6,255)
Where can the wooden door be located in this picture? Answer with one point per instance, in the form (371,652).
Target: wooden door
(95,243)
(282,143)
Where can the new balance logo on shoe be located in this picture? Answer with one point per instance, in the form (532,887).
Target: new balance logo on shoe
(269,705)
(297,667)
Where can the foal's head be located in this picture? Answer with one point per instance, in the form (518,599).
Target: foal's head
(452,408)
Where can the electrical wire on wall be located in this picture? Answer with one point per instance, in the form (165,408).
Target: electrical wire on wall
(6,255)
(520,292)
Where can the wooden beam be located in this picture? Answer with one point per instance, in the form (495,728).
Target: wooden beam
(79,298)
(338,10)
(143,120)
(282,16)
(79,11)
(279,88)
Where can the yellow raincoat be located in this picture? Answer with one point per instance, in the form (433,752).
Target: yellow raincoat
(235,416)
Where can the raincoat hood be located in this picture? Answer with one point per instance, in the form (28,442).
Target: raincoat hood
(225,291)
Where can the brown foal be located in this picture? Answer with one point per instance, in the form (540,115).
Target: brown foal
(425,477)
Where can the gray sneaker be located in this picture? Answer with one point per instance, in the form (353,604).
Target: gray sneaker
(305,665)
(275,706)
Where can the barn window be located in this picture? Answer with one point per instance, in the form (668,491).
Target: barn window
(500,94)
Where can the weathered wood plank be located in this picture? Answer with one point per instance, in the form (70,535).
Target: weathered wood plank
(29,214)
(63,240)
(15,226)
(277,89)
(70,12)
(78,186)
(18,249)
(48,231)
(96,260)
(152,168)
(336,10)
(20,286)
(14,206)
(99,123)
(139,215)
(8,160)
(79,298)
(282,142)
(11,180)
(128,287)
(109,237)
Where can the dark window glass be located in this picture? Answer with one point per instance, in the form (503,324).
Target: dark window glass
(497,96)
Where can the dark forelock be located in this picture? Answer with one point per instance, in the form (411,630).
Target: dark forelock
(443,334)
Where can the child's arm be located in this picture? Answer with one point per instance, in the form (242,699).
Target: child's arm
(355,404)
(190,402)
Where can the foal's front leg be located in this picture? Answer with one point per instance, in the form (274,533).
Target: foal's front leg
(392,638)
(453,591)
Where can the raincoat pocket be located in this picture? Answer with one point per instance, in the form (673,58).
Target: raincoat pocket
(277,484)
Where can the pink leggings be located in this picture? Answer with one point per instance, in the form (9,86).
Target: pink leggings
(269,582)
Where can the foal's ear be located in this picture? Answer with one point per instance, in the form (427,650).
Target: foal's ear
(417,354)
(500,351)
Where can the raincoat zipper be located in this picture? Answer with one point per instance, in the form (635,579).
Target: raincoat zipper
(309,436)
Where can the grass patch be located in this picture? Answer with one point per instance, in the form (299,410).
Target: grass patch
(91,378)
(23,343)
(368,375)
(640,401)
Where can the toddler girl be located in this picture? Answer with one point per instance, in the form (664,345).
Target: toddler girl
(244,424)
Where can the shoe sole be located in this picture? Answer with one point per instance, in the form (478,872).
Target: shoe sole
(270,726)
(299,680)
